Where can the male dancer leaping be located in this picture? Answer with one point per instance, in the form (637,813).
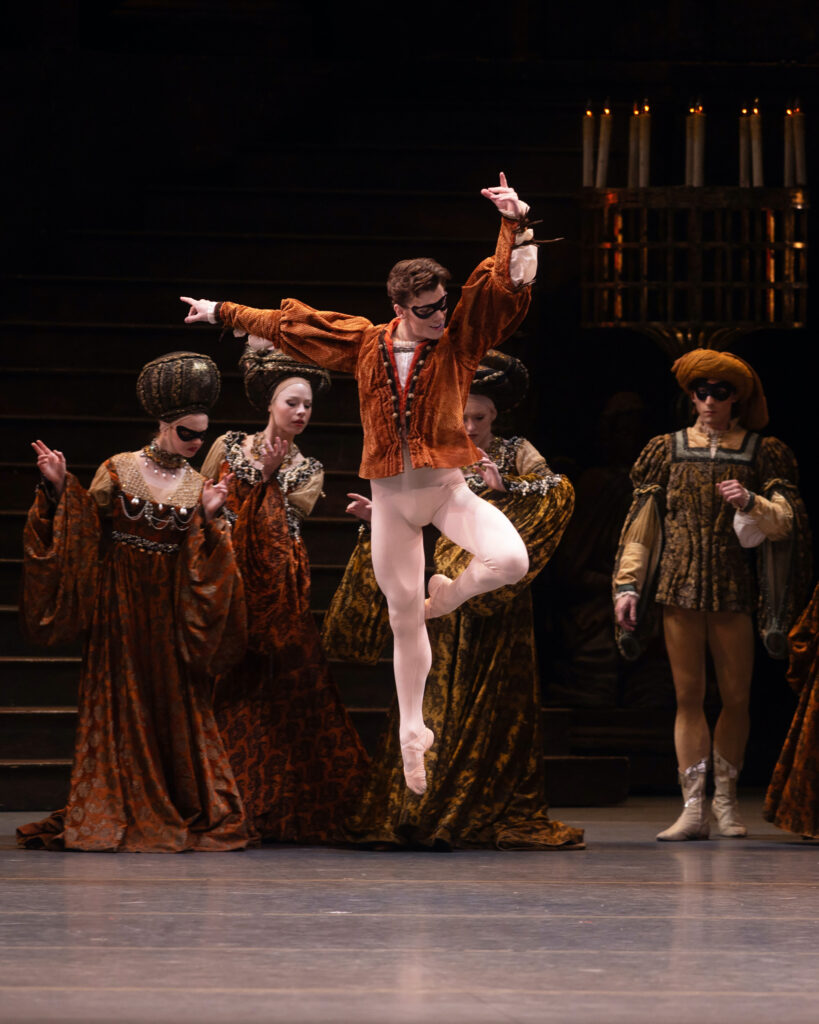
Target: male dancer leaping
(413,379)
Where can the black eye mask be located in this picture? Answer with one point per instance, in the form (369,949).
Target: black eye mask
(425,312)
(186,434)
(720,390)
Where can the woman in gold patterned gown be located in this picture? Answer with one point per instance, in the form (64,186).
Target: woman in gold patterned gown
(482,697)
(159,598)
(702,496)
(295,753)
(792,800)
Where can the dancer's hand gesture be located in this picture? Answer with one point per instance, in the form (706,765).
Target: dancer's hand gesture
(201,310)
(489,472)
(272,456)
(360,507)
(51,464)
(215,495)
(506,199)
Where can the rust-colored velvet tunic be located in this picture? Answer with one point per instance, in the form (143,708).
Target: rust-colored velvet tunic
(428,413)
(164,611)
(296,755)
(485,779)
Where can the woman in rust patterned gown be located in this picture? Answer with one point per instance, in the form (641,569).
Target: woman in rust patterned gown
(163,610)
(792,800)
(482,698)
(702,496)
(295,753)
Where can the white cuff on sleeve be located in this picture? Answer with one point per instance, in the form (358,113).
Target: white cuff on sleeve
(747,530)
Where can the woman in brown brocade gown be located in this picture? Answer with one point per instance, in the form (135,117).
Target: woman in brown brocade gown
(295,753)
(482,698)
(163,611)
(792,800)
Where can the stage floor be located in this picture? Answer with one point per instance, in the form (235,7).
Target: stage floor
(627,930)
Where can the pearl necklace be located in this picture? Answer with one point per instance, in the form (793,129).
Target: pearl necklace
(168,465)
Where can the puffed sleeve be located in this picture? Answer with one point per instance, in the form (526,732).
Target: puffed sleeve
(211,467)
(492,306)
(60,564)
(641,542)
(321,337)
(304,497)
(642,530)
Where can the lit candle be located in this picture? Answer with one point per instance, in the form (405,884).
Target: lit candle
(744,149)
(756,145)
(633,144)
(603,148)
(787,172)
(644,122)
(588,148)
(799,145)
(698,159)
(689,146)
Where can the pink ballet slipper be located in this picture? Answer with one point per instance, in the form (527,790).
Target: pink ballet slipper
(412,754)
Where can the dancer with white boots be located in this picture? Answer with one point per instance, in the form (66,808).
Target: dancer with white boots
(701,496)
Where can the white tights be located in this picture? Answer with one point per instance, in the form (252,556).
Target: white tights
(401,506)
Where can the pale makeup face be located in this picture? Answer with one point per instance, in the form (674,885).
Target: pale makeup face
(291,407)
(479,415)
(712,413)
(170,441)
(414,328)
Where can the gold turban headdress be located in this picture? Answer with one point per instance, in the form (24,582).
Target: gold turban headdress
(708,364)
(178,384)
(263,370)
(501,378)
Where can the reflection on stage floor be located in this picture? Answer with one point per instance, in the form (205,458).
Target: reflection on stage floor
(627,930)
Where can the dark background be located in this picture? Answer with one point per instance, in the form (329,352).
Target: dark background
(136,117)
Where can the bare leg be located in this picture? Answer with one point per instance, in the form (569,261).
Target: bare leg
(480,528)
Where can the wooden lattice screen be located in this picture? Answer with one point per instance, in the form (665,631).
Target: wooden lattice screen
(694,266)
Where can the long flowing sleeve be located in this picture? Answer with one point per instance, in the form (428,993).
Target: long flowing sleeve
(356,626)
(784,557)
(211,622)
(638,555)
(60,565)
(274,569)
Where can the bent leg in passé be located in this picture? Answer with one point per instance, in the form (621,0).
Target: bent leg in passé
(500,556)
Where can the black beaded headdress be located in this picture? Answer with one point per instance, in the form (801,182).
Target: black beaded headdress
(178,384)
(502,378)
(264,370)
